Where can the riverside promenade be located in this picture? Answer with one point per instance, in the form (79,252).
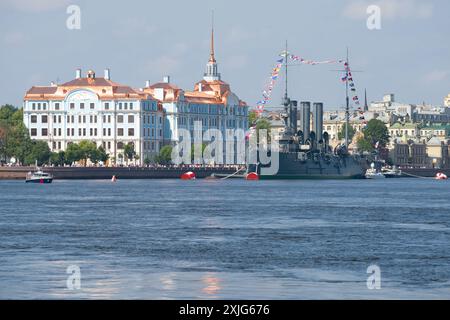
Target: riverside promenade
(119,172)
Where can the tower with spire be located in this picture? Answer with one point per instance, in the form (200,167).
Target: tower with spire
(211,73)
(366,107)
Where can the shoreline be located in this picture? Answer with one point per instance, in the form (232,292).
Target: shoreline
(67,173)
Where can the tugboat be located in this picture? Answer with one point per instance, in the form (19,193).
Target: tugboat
(305,153)
(38,176)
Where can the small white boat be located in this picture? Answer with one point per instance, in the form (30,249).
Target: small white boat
(372,173)
(38,177)
(391,173)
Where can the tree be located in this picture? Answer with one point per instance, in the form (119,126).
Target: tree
(375,132)
(40,153)
(263,124)
(88,150)
(73,153)
(252,118)
(351,132)
(364,145)
(147,161)
(7,111)
(18,143)
(165,155)
(58,158)
(136,158)
(102,156)
(129,152)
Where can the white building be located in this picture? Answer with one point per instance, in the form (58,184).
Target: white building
(95,109)
(212,102)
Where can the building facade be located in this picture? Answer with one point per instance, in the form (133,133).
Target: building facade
(96,109)
(211,102)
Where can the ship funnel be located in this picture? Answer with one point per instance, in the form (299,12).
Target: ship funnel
(305,110)
(293,116)
(318,120)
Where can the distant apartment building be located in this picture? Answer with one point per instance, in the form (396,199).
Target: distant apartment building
(96,109)
(211,102)
(404,130)
(441,132)
(447,101)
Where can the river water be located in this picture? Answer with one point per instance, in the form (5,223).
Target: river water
(232,239)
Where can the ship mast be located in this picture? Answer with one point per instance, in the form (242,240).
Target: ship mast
(286,72)
(347,106)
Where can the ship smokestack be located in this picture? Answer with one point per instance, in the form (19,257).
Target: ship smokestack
(305,110)
(318,120)
(293,116)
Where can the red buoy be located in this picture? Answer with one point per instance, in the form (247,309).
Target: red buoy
(188,176)
(252,176)
(441,176)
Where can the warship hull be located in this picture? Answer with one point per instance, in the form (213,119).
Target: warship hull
(328,167)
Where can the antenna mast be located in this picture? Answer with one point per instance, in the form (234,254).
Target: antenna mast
(286,72)
(347,106)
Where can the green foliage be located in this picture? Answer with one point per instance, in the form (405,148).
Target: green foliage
(103,156)
(147,161)
(165,155)
(73,153)
(14,137)
(88,150)
(39,152)
(58,158)
(263,124)
(364,145)
(351,132)
(375,131)
(252,118)
(129,151)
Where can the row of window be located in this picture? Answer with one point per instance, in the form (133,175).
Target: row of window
(151,132)
(212,109)
(93,119)
(82,132)
(148,145)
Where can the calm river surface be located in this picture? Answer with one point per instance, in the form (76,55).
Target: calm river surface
(204,239)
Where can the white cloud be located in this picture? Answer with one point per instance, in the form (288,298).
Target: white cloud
(391,9)
(35,5)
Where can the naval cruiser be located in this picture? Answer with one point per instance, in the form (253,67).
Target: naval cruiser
(304,152)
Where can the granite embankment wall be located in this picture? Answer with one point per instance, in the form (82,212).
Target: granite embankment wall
(107,173)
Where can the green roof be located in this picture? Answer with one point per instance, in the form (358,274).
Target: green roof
(437,127)
(404,126)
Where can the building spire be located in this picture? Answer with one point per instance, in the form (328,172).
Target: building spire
(366,107)
(211,55)
(212,73)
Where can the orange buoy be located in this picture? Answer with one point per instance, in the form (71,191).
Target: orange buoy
(113,179)
(188,176)
(252,176)
(441,176)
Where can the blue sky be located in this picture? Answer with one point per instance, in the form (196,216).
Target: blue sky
(145,40)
